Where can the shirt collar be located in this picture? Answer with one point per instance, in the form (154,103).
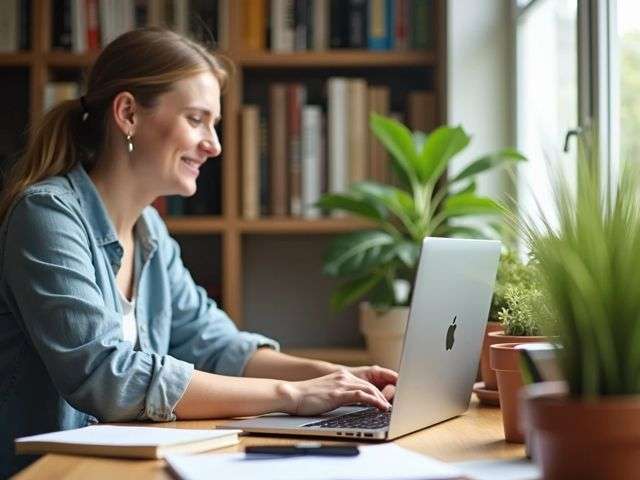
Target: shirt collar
(96,213)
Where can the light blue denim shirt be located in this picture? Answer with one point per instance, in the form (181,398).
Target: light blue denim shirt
(63,361)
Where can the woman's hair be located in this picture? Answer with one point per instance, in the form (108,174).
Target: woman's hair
(145,62)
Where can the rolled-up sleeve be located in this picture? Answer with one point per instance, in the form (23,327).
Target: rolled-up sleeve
(51,279)
(201,333)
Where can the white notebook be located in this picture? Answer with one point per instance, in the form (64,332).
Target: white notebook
(123,441)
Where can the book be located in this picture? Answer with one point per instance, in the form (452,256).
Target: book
(379,158)
(422,111)
(9,25)
(250,161)
(320,22)
(296,99)
(311,159)
(278,148)
(358,123)
(255,24)
(337,130)
(125,441)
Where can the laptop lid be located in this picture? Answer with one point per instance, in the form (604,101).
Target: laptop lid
(449,309)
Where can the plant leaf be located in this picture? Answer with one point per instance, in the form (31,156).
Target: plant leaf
(349,292)
(358,251)
(470,204)
(398,140)
(490,161)
(440,147)
(351,204)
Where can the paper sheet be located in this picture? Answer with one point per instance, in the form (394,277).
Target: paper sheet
(379,462)
(521,469)
(131,436)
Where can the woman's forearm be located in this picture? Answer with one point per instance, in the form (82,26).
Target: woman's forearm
(267,363)
(218,396)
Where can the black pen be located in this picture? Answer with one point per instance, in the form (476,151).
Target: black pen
(306,448)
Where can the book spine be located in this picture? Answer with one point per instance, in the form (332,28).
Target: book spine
(25,27)
(390,20)
(9,26)
(338,135)
(401,26)
(264,165)
(358,23)
(300,25)
(93,28)
(420,26)
(320,24)
(296,96)
(79,25)
(421,111)
(378,103)
(283,17)
(62,26)
(255,24)
(338,16)
(250,161)
(311,151)
(278,148)
(377,25)
(357,125)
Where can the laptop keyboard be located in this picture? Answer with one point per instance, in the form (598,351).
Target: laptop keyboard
(371,419)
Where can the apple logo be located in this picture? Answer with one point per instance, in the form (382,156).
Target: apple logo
(450,334)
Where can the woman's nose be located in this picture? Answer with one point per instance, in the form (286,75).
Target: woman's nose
(211,147)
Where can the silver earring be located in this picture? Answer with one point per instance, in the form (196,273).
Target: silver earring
(129,142)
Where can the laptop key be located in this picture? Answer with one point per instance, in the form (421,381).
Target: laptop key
(371,418)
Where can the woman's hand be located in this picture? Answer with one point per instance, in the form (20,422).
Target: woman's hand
(343,387)
(383,378)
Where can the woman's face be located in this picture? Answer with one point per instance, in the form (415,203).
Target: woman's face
(177,135)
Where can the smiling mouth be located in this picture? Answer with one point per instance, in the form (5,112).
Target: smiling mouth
(194,165)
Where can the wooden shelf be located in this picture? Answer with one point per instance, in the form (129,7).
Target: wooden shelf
(195,224)
(17,59)
(68,59)
(351,357)
(293,225)
(336,59)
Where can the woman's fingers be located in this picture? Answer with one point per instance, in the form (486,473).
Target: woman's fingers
(389,392)
(361,396)
(371,390)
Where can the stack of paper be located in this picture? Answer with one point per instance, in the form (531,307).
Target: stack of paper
(135,442)
(379,462)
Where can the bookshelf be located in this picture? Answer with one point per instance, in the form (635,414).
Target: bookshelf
(419,69)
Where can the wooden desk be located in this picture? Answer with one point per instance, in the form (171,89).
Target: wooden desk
(474,435)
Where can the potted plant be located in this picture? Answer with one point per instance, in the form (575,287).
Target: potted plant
(589,259)
(379,263)
(512,272)
(522,319)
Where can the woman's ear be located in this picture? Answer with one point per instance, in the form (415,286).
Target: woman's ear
(124,110)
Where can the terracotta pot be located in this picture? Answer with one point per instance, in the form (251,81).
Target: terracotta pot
(490,382)
(384,333)
(487,374)
(505,361)
(586,439)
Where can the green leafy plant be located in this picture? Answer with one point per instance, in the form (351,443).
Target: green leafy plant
(376,260)
(589,260)
(512,273)
(525,311)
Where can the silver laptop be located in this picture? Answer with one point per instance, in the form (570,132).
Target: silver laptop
(448,315)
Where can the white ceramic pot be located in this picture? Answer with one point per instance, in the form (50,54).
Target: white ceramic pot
(384,333)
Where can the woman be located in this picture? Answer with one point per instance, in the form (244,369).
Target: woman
(99,319)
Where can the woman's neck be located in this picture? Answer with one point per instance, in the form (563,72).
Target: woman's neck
(121,193)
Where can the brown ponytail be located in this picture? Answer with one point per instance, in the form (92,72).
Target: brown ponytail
(145,62)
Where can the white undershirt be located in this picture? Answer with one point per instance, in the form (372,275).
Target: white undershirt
(129,324)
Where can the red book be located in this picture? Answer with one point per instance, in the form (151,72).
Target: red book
(93,32)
